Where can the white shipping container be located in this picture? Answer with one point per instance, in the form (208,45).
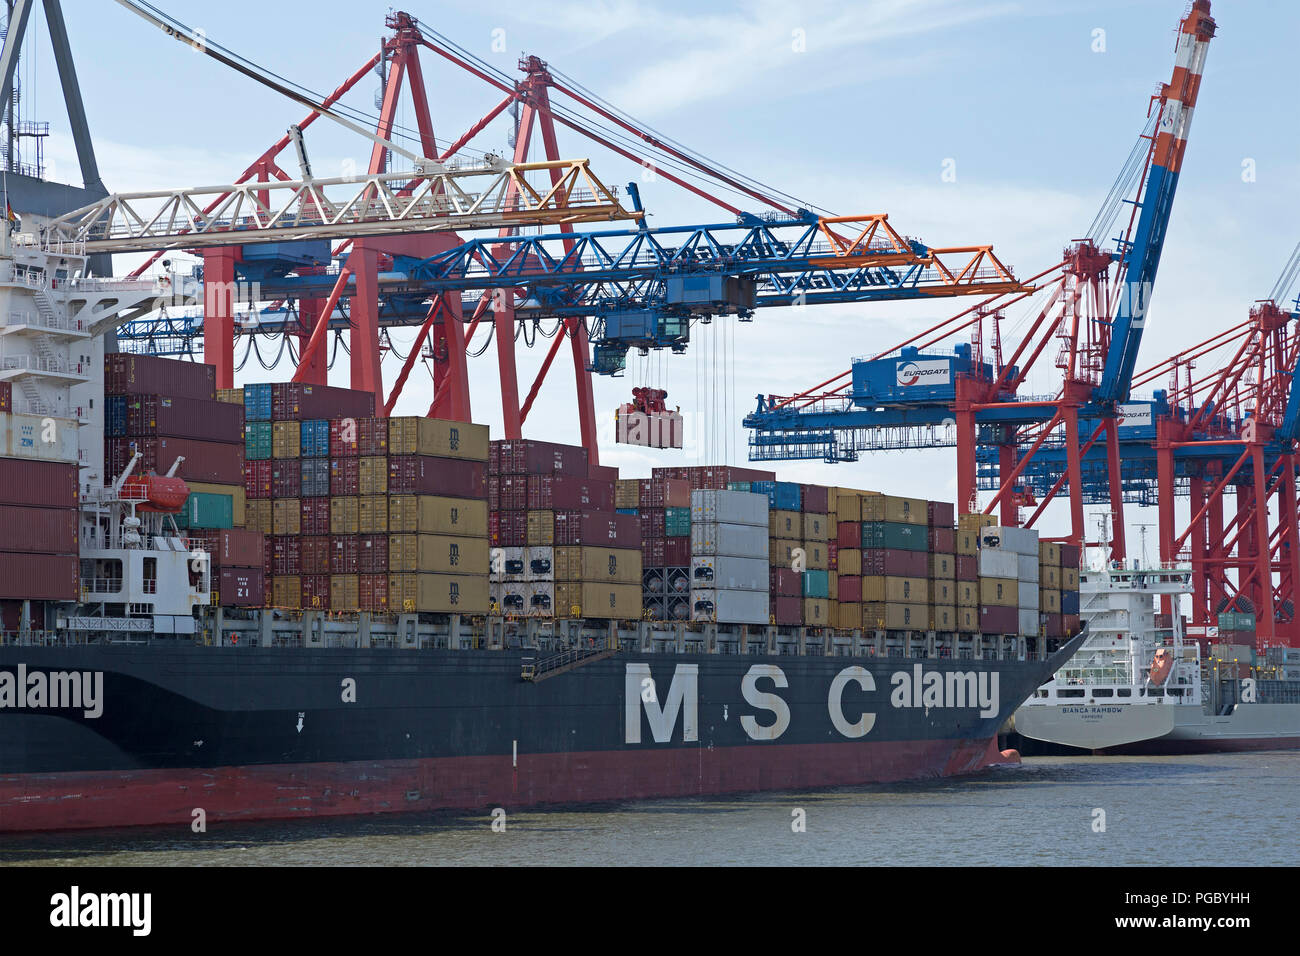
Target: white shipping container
(1027,567)
(510,597)
(729,507)
(1019,540)
(739,540)
(541,599)
(996,563)
(731,573)
(42,437)
(541,564)
(729,607)
(513,566)
(1028,597)
(1028,623)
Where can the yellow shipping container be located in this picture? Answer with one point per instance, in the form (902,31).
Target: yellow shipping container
(541,528)
(627,493)
(943,592)
(433,514)
(439,593)
(372,514)
(345,592)
(817,527)
(785,524)
(286,516)
(999,592)
(1049,552)
(846,505)
(975,522)
(1049,600)
(238,497)
(446,554)
(817,555)
(779,551)
(943,566)
(345,516)
(608,565)
(414,435)
(1049,576)
(968,542)
(231,396)
(1069,579)
(286,439)
(596,600)
(372,475)
(896,617)
(896,590)
(943,617)
(849,561)
(878,507)
(968,594)
(968,619)
(286,591)
(817,612)
(257,517)
(848,616)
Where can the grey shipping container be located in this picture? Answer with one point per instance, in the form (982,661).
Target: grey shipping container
(729,607)
(730,507)
(717,538)
(731,573)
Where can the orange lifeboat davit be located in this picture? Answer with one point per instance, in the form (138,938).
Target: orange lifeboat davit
(157,493)
(1161,665)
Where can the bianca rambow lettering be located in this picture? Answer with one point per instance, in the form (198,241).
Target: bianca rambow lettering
(78,909)
(53,690)
(918,687)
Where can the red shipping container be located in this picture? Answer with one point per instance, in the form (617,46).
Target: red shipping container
(372,554)
(286,554)
(286,478)
(998,620)
(315,591)
(494,458)
(257,478)
(425,475)
(345,438)
(652,552)
(240,587)
(315,516)
(345,477)
(597,529)
(566,493)
(512,493)
(833,555)
(602,472)
(374,591)
(41,530)
(232,547)
(677,551)
(128,374)
(6,397)
(268,555)
(895,561)
(1053,625)
(943,540)
(1072,623)
(343,554)
(39,577)
(849,534)
(787,611)
(316,554)
(651,522)
(814,499)
(494,491)
(782,582)
(1069,555)
(373,436)
(850,588)
(941,514)
(529,457)
(664,493)
(39,484)
(165,416)
(299,401)
(207,461)
(966,567)
(511,529)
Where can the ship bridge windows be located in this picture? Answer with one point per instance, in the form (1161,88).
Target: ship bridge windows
(149,576)
(1124,692)
(102,576)
(1103,692)
(1070,692)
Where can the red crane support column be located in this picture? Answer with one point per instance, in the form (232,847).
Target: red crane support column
(1216,557)
(1165,490)
(1118,548)
(367,372)
(316,371)
(1264,623)
(1074,473)
(1009,506)
(219,312)
(966,492)
(1290,547)
(503,320)
(1197,539)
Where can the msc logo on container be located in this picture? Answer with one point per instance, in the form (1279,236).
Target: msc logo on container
(921,373)
(453,439)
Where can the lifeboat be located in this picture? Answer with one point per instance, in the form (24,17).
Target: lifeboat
(157,493)
(1161,665)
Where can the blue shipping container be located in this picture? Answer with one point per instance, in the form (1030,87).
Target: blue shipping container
(785,497)
(625,511)
(315,438)
(257,403)
(115,416)
(817,584)
(1069,602)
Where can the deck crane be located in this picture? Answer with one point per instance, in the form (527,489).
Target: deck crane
(853,267)
(1095,305)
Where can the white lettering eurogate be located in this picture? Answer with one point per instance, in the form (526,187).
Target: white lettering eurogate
(772,702)
(835,704)
(683,698)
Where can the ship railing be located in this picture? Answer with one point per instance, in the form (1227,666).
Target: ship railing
(36,638)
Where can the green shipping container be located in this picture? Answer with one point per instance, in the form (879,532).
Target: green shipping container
(257,441)
(1236,621)
(207,511)
(735,486)
(677,522)
(895,534)
(816,584)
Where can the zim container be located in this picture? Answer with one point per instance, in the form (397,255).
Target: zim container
(238,587)
(129,374)
(596,529)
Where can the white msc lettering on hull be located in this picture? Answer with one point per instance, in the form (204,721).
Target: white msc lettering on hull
(683,697)
(773,702)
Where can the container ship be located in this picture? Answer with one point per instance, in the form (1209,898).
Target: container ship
(272,602)
(1140,685)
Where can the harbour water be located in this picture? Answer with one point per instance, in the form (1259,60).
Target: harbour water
(1231,809)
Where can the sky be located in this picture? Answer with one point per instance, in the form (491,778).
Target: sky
(856,108)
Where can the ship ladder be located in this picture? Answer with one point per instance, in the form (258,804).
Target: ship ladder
(534,670)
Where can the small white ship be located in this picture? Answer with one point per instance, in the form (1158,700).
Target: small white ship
(1135,687)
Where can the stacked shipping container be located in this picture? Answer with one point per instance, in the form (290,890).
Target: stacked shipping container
(729,557)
